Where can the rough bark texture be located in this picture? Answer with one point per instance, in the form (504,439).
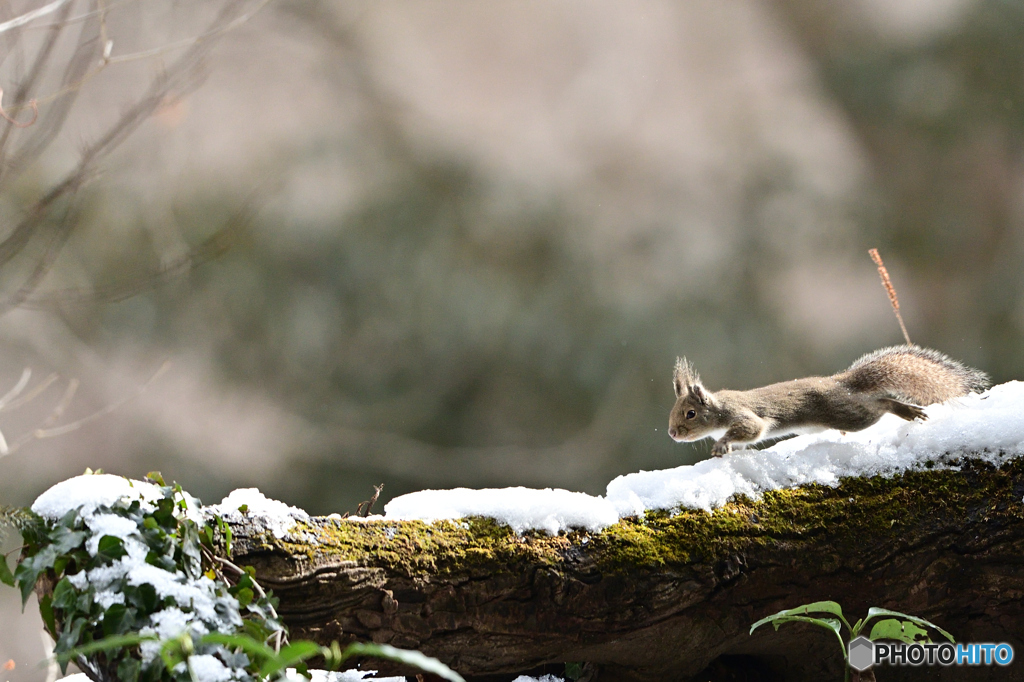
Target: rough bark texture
(671,597)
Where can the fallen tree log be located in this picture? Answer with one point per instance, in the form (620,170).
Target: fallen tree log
(669,597)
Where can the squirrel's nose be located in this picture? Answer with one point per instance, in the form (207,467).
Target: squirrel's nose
(672,432)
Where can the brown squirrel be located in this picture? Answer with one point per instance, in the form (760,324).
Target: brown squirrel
(898,379)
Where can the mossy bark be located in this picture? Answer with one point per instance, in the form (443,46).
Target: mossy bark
(669,597)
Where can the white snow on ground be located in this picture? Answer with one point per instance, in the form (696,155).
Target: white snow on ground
(277,516)
(989,425)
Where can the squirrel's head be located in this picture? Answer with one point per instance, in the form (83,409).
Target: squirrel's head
(691,416)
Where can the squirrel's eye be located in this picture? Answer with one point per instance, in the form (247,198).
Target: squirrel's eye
(691,414)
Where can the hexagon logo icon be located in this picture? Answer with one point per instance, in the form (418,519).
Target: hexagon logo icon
(861,653)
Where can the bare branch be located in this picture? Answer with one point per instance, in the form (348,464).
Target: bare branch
(26,375)
(32,16)
(31,395)
(45,430)
(179,78)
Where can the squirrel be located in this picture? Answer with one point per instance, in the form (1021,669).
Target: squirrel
(898,379)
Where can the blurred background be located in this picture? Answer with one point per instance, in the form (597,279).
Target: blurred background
(453,243)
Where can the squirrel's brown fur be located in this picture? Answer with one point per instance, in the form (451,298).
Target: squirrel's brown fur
(898,379)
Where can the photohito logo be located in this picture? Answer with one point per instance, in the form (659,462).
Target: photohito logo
(863,653)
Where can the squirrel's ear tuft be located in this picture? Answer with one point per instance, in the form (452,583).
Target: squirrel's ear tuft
(685,375)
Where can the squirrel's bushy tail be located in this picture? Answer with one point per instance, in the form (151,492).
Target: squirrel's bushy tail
(921,376)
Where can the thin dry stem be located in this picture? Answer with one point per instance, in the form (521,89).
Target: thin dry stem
(32,103)
(45,430)
(31,395)
(31,16)
(891,290)
(26,376)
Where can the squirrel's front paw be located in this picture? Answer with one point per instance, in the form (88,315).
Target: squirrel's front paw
(720,448)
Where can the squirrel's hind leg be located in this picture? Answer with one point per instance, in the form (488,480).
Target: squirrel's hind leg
(904,410)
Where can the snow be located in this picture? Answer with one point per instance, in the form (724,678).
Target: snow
(550,509)
(278,517)
(207,668)
(342,676)
(988,425)
(86,493)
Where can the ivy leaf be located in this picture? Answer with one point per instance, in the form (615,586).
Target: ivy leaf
(244,597)
(64,539)
(190,550)
(118,620)
(143,597)
(6,577)
(128,669)
(29,569)
(64,595)
(110,548)
(46,613)
(164,513)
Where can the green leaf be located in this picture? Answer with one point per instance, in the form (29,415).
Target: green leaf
(118,620)
(143,597)
(258,651)
(289,656)
(805,610)
(411,658)
(46,613)
(64,595)
(856,628)
(164,513)
(244,597)
(873,612)
(900,630)
(156,477)
(29,569)
(784,617)
(191,555)
(105,644)
(574,671)
(128,669)
(6,577)
(64,540)
(110,548)
(256,630)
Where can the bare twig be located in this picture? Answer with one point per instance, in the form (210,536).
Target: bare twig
(33,104)
(889,289)
(45,430)
(25,18)
(213,247)
(279,636)
(26,376)
(31,395)
(370,502)
(178,79)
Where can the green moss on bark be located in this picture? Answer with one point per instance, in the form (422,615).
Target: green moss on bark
(858,510)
